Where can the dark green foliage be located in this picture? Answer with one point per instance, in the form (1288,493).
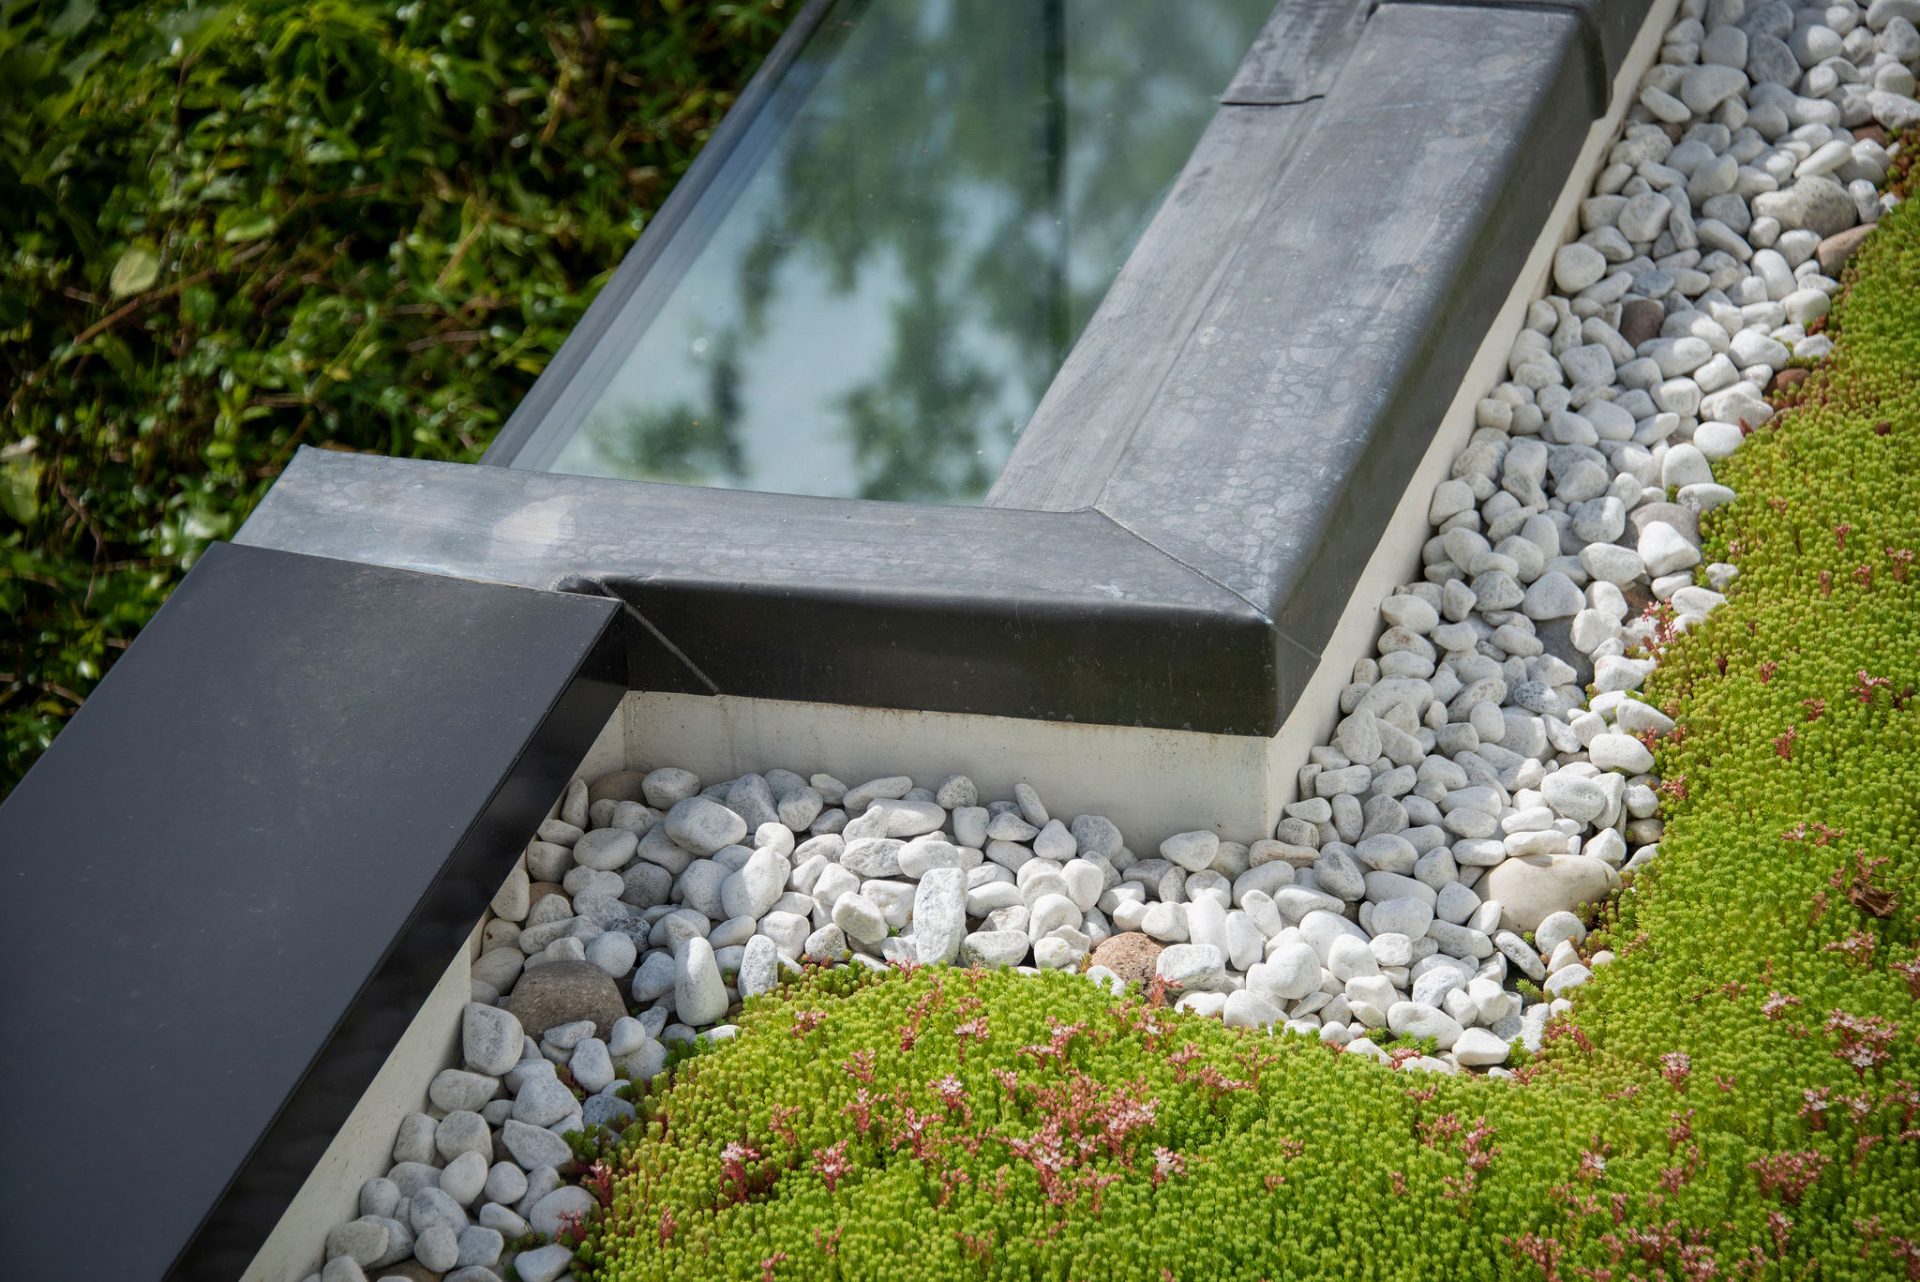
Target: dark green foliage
(230,230)
(1736,1096)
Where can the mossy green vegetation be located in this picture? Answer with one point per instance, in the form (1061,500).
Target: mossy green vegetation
(1736,1096)
(231,229)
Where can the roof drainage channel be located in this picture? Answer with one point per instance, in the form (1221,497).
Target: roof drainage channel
(1204,537)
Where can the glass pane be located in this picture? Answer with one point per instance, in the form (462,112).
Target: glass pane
(875,292)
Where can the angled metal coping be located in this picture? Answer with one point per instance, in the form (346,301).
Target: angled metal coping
(276,821)
(1181,524)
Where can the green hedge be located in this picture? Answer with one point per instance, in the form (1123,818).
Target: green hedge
(1737,1096)
(233,229)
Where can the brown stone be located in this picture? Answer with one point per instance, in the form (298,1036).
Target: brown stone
(1641,320)
(1834,251)
(1787,378)
(541,889)
(1130,955)
(621,785)
(560,992)
(1870,132)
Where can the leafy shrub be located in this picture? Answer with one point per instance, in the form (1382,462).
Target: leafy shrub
(233,229)
(1737,1095)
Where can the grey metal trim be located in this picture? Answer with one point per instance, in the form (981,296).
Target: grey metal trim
(1179,529)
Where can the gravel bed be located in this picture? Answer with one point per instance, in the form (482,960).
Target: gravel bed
(1488,778)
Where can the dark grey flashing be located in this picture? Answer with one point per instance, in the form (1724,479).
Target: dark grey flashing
(249,858)
(1182,524)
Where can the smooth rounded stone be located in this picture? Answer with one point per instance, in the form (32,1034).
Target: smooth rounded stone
(955,791)
(464,1178)
(1575,796)
(1247,1009)
(703,826)
(1131,955)
(1557,928)
(1350,958)
(606,1110)
(551,1212)
(1568,977)
(462,1131)
(940,915)
(562,992)
(866,857)
(1521,954)
(919,856)
(1612,563)
(1417,1019)
(1409,917)
(431,1206)
(1552,596)
(699,994)
(1290,973)
(1620,752)
(545,1264)
(606,849)
(1052,953)
(496,1216)
(1193,851)
(1320,928)
(455,1089)
(1479,1048)
(542,1101)
(379,1197)
(1576,266)
(479,1248)
(591,1065)
(490,1039)
(1391,949)
(887,788)
(759,967)
(901,817)
(994,948)
(1665,549)
(654,977)
(644,885)
(1192,967)
(1410,612)
(413,1141)
(1358,737)
(1166,922)
(363,1241)
(668,786)
(506,1182)
(1531,887)
(860,918)
(614,952)
(752,890)
(1817,202)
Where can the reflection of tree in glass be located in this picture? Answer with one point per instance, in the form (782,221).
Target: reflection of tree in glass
(693,444)
(988,164)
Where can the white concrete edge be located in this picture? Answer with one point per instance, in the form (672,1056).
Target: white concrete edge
(1142,779)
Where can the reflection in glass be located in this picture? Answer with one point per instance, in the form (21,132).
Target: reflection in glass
(872,296)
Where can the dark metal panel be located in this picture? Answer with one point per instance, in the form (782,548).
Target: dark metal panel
(1291,423)
(1102,392)
(1611,28)
(1063,616)
(1298,53)
(249,857)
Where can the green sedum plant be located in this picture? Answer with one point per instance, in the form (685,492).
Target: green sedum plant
(232,229)
(1736,1096)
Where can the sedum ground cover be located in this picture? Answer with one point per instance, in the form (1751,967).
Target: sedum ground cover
(1737,1096)
(231,229)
